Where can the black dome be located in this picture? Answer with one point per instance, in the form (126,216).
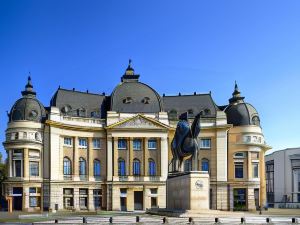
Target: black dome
(242,114)
(27,107)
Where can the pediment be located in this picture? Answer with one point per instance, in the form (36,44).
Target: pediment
(139,122)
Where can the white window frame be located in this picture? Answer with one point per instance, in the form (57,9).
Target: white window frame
(202,141)
(80,144)
(155,141)
(97,146)
(71,142)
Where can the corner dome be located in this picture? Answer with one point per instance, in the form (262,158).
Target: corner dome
(132,96)
(27,107)
(240,113)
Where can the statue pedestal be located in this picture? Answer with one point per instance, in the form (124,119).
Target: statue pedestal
(188,191)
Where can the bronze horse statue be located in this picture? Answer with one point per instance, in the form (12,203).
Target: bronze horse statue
(184,143)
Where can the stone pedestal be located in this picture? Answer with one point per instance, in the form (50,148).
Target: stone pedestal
(188,191)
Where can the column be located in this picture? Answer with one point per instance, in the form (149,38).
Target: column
(90,159)
(75,160)
(109,163)
(262,178)
(164,158)
(25,164)
(91,205)
(130,158)
(249,166)
(146,156)
(10,164)
(116,156)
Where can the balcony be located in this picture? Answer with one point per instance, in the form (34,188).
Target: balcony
(83,177)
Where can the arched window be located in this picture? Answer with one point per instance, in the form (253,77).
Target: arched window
(97,168)
(136,167)
(67,166)
(82,166)
(152,168)
(121,167)
(205,165)
(188,165)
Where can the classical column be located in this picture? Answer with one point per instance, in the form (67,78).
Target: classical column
(90,159)
(116,156)
(75,160)
(130,158)
(262,178)
(25,164)
(109,163)
(249,166)
(146,156)
(10,164)
(164,158)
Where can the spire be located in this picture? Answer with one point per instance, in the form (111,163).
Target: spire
(129,74)
(29,88)
(236,95)
(129,70)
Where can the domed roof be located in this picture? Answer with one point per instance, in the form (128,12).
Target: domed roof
(27,107)
(240,113)
(132,96)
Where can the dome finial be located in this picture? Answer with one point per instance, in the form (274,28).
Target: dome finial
(29,87)
(236,95)
(129,70)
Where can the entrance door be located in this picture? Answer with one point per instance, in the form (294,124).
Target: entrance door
(256,198)
(138,200)
(240,203)
(17,198)
(123,204)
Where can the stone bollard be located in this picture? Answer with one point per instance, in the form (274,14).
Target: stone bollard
(165,220)
(110,220)
(217,220)
(243,220)
(293,220)
(56,221)
(84,220)
(268,220)
(191,220)
(137,219)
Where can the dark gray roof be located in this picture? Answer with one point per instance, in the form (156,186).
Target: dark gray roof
(28,107)
(190,103)
(135,97)
(76,103)
(242,114)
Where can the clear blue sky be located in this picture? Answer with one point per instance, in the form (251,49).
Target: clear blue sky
(176,46)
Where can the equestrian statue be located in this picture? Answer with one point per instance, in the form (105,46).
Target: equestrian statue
(184,143)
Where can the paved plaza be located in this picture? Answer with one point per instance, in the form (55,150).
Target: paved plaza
(277,216)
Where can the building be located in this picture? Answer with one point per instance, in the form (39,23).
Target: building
(91,151)
(283,178)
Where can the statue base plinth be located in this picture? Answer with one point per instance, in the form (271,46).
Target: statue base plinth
(188,190)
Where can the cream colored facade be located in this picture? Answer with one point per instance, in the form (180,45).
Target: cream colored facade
(122,161)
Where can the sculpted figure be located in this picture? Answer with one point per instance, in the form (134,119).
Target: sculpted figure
(184,143)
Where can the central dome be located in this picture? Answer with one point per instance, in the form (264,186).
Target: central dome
(132,96)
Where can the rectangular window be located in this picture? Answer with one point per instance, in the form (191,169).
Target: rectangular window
(34,196)
(68,198)
(18,168)
(255,170)
(239,170)
(137,144)
(97,193)
(152,144)
(82,142)
(34,169)
(67,141)
(96,143)
(33,201)
(247,139)
(83,194)
(205,143)
(122,143)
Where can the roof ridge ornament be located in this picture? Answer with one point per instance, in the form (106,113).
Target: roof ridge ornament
(129,74)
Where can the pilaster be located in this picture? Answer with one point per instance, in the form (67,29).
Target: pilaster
(75,160)
(109,163)
(91,205)
(146,156)
(262,178)
(130,161)
(90,153)
(25,164)
(164,157)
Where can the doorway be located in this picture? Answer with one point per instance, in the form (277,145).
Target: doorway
(123,201)
(239,196)
(138,200)
(17,198)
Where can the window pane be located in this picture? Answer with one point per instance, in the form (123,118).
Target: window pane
(152,168)
(205,165)
(136,167)
(96,143)
(18,168)
(67,166)
(82,167)
(255,170)
(122,168)
(67,141)
(205,143)
(122,144)
(34,168)
(239,170)
(96,168)
(152,144)
(82,142)
(137,144)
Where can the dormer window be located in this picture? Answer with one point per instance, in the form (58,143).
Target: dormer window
(81,112)
(146,100)
(255,120)
(207,112)
(127,100)
(190,113)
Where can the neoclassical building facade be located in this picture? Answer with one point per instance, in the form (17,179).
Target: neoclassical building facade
(113,152)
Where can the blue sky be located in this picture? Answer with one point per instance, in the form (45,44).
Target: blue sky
(176,46)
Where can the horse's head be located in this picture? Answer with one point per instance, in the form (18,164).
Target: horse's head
(182,131)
